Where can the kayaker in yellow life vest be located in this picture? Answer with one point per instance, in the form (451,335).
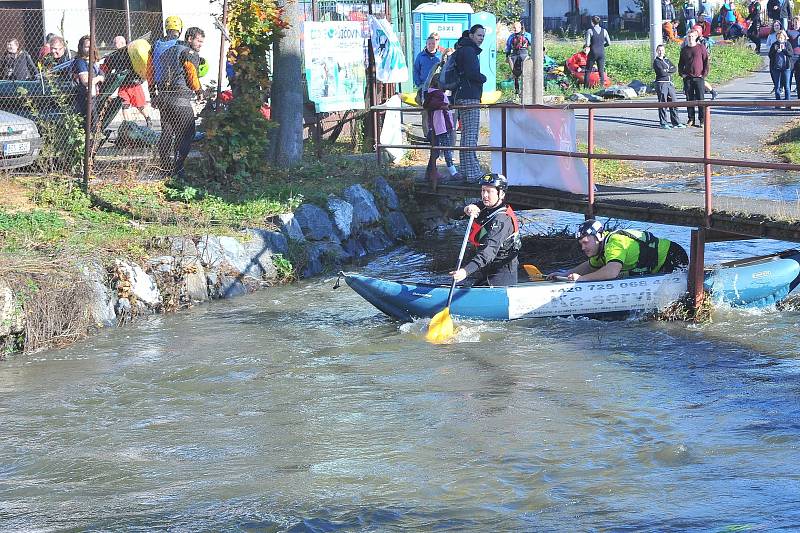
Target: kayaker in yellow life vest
(622,253)
(495,236)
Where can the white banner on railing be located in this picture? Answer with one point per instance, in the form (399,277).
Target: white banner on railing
(542,129)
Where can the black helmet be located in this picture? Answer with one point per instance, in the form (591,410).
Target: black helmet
(590,227)
(495,180)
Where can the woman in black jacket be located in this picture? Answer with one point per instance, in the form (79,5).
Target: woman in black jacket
(780,64)
(17,64)
(469,92)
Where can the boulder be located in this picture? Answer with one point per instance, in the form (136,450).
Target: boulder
(164,263)
(354,248)
(194,275)
(210,251)
(182,247)
(290,227)
(342,213)
(141,285)
(398,227)
(365,212)
(101,305)
(386,195)
(257,253)
(374,240)
(315,223)
(12,317)
(123,310)
(230,287)
(321,256)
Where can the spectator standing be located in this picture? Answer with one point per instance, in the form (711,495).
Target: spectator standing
(754,18)
(595,44)
(773,35)
(469,92)
(17,64)
(442,125)
(780,65)
(693,68)
(727,17)
(705,26)
(665,90)
(794,33)
(428,58)
(517,50)
(667,10)
(689,14)
(57,55)
(87,59)
(780,10)
(131,91)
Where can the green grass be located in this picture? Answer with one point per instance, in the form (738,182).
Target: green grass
(625,63)
(787,143)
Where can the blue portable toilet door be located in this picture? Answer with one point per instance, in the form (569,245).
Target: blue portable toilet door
(449,26)
(488,57)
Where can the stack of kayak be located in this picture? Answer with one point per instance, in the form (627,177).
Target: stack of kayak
(754,282)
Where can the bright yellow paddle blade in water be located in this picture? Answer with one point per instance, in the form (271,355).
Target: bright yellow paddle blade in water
(533,273)
(441,327)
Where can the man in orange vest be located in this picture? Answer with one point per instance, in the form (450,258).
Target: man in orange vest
(495,235)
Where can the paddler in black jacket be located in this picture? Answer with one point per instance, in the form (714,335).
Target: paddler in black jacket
(495,235)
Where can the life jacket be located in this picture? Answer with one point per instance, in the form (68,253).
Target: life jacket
(519,42)
(648,251)
(161,46)
(513,243)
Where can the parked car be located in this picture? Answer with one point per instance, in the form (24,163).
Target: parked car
(19,139)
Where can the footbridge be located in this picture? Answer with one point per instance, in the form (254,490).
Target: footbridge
(715,216)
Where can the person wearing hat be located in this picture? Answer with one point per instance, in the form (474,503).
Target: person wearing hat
(622,253)
(495,236)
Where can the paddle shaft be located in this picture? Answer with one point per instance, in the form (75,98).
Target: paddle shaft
(460,258)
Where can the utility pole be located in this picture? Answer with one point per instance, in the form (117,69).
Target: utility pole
(537,32)
(655,26)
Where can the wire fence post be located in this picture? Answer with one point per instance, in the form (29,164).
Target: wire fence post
(88,141)
(222,42)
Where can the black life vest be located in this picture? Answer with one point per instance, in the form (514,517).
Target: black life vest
(511,245)
(648,251)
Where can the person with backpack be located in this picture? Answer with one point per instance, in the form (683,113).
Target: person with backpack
(441,122)
(595,44)
(754,29)
(175,79)
(727,18)
(517,49)
(468,92)
(665,90)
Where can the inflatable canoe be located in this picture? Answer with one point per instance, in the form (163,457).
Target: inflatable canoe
(755,282)
(575,67)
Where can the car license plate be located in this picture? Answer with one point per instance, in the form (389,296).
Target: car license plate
(16,148)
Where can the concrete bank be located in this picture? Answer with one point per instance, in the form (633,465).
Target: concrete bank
(194,269)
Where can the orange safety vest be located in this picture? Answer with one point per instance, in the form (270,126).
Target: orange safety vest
(477,232)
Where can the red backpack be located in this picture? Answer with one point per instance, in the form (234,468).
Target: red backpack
(519,42)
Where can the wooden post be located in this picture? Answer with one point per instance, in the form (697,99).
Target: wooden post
(696,267)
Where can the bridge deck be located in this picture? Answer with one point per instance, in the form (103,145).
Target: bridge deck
(731,216)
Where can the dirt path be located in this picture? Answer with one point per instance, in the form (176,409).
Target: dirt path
(737,133)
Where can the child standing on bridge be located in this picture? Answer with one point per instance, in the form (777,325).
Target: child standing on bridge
(440,133)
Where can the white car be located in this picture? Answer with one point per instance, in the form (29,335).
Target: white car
(19,139)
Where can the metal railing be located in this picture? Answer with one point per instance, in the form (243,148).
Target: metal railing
(591,154)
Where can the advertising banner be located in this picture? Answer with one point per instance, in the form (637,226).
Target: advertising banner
(542,129)
(334,65)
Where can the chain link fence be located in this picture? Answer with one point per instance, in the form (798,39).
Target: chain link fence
(43,94)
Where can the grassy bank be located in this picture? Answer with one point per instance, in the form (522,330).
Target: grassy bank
(47,216)
(625,63)
(786,143)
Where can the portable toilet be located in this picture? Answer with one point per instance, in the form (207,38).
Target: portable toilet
(450,20)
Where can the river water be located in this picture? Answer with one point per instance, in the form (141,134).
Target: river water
(302,408)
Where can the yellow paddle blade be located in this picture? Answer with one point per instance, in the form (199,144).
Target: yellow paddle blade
(533,273)
(441,327)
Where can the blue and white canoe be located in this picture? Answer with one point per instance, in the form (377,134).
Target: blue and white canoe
(754,282)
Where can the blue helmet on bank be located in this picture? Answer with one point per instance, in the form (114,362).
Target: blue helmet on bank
(590,227)
(495,180)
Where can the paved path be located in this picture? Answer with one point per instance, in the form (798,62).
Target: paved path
(738,133)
